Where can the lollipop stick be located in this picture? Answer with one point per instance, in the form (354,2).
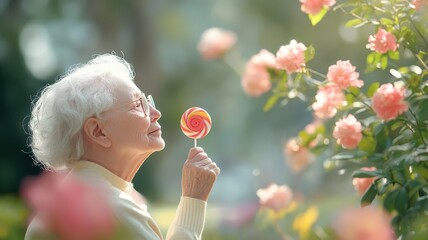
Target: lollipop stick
(196,144)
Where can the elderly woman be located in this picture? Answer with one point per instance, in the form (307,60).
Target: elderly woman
(99,126)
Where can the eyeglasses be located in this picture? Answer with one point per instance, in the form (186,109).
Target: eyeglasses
(144,103)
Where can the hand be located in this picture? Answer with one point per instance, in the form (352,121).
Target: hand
(199,174)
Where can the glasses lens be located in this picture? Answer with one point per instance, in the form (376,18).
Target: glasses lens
(151,101)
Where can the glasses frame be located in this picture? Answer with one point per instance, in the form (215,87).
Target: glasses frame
(146,103)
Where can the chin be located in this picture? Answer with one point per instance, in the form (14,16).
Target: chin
(160,146)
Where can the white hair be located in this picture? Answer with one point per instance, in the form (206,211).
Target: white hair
(58,115)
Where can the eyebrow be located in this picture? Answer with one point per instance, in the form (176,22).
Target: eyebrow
(137,95)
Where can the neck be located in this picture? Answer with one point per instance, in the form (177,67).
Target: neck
(123,166)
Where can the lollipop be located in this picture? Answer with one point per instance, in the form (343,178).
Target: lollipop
(195,123)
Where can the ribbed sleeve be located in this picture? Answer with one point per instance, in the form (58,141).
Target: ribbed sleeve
(189,220)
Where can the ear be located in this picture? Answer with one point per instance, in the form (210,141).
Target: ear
(95,132)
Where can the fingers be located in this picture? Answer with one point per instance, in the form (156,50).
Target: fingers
(199,158)
(194,151)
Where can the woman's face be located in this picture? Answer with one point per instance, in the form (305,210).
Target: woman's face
(128,127)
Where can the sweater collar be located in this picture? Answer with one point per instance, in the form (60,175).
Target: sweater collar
(95,170)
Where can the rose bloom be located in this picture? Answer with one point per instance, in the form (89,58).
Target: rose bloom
(419,3)
(362,184)
(291,57)
(343,74)
(347,131)
(63,203)
(275,197)
(388,101)
(328,99)
(296,156)
(256,79)
(313,7)
(215,42)
(382,42)
(264,59)
(366,223)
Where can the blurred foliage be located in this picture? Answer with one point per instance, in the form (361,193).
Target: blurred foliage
(13,218)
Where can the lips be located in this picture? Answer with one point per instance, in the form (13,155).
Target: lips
(155,130)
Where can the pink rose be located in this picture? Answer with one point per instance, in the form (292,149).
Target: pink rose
(296,156)
(313,7)
(256,78)
(362,184)
(264,59)
(419,3)
(343,74)
(275,197)
(366,223)
(61,203)
(388,101)
(328,99)
(291,57)
(382,42)
(215,42)
(347,131)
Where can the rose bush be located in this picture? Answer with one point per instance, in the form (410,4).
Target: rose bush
(380,129)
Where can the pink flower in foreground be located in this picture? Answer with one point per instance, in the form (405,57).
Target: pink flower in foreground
(313,7)
(362,184)
(69,208)
(215,42)
(275,197)
(297,157)
(343,74)
(347,131)
(382,42)
(328,99)
(366,223)
(291,57)
(388,101)
(419,3)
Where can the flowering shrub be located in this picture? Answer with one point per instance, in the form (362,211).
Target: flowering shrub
(60,203)
(381,129)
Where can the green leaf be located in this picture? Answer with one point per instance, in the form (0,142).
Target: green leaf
(366,174)
(384,62)
(397,200)
(343,156)
(386,21)
(270,102)
(367,144)
(394,55)
(369,195)
(315,19)
(354,90)
(355,23)
(372,89)
(309,53)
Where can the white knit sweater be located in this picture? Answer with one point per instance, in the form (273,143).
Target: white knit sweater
(134,217)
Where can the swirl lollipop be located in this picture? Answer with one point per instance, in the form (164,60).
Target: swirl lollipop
(195,123)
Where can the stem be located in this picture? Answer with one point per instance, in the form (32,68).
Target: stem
(421,61)
(317,73)
(234,61)
(362,100)
(418,127)
(283,235)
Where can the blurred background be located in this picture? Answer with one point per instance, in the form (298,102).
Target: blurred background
(41,39)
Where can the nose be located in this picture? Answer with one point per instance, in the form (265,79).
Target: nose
(155,114)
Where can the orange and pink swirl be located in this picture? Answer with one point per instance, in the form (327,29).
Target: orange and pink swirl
(195,123)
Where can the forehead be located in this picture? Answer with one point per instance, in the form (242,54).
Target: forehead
(126,91)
